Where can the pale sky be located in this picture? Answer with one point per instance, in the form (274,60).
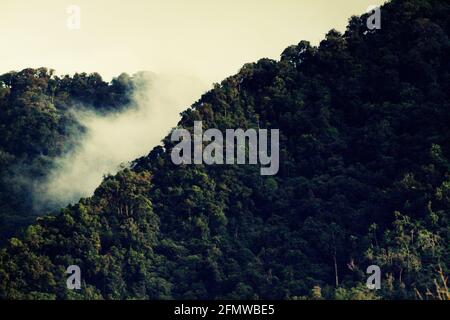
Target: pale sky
(207,39)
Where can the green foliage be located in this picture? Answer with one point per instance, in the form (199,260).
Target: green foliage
(364,179)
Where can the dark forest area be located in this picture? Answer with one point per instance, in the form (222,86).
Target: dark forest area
(364,179)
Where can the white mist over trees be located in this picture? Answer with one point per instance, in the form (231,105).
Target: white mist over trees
(112,140)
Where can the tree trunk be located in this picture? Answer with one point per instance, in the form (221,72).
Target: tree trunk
(336,270)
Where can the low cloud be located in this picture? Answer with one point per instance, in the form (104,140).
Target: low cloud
(114,139)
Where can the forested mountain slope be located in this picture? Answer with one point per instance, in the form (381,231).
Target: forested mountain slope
(364,179)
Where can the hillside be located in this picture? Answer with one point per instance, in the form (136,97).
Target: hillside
(364,179)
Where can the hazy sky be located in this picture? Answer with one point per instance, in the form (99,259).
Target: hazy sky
(208,39)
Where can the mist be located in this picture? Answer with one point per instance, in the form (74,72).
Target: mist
(113,140)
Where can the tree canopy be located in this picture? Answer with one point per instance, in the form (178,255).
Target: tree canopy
(364,180)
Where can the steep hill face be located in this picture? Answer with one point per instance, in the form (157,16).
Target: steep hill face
(364,179)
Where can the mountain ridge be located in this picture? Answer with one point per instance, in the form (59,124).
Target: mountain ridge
(363,180)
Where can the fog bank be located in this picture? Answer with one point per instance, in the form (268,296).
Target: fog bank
(116,139)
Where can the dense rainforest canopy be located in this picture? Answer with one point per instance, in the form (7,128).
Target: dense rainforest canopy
(364,179)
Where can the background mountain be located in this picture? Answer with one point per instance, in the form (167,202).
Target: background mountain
(38,124)
(364,179)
